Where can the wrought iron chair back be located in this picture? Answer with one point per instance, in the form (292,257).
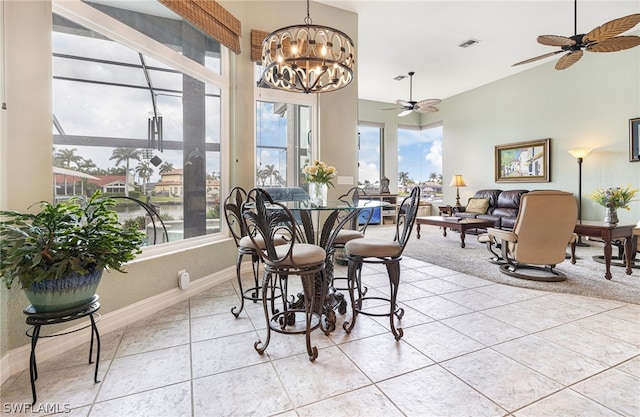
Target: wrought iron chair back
(406,217)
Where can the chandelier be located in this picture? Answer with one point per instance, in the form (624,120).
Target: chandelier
(307,58)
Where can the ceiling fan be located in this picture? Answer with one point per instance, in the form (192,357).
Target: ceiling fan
(423,106)
(601,39)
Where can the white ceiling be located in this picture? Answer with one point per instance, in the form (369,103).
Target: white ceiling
(395,37)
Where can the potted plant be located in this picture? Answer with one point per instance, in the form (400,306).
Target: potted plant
(613,198)
(59,253)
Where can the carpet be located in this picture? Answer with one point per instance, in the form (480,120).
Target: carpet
(585,278)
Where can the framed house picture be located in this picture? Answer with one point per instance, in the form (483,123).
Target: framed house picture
(523,161)
(634,140)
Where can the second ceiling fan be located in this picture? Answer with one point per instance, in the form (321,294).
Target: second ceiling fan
(601,39)
(422,106)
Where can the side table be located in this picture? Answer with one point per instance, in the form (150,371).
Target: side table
(37,320)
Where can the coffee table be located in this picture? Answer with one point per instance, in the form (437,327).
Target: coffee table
(461,225)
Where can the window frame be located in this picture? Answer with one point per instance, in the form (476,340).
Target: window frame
(95,20)
(273,95)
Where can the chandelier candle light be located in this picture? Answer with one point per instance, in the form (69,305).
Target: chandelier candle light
(307,58)
(319,176)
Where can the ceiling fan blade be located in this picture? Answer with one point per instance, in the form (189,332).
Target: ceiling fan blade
(612,28)
(555,40)
(568,60)
(392,108)
(426,109)
(404,113)
(428,102)
(618,43)
(538,58)
(404,103)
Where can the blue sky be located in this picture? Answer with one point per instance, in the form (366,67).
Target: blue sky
(420,152)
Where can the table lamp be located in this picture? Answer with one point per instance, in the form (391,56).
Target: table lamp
(457,181)
(580,154)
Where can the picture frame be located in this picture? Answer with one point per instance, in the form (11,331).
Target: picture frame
(523,161)
(634,140)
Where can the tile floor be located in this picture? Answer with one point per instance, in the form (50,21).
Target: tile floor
(470,348)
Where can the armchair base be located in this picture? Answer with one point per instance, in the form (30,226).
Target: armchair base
(548,273)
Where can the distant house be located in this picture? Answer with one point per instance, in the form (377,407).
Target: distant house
(171,183)
(113,184)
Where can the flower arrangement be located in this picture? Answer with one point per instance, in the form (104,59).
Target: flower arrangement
(319,173)
(614,197)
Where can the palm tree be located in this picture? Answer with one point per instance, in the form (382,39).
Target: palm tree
(166,167)
(66,157)
(269,171)
(403,177)
(433,177)
(144,171)
(125,155)
(87,165)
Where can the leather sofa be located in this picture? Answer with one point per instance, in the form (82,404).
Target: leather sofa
(502,209)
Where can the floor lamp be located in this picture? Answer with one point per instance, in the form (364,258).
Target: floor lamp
(580,154)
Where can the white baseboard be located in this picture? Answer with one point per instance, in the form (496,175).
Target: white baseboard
(17,360)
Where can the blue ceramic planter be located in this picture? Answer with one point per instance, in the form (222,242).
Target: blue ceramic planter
(62,294)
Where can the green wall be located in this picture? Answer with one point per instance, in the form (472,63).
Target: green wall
(587,105)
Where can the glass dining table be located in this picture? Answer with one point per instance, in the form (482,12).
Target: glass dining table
(320,225)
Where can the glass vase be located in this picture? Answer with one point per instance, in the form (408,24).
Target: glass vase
(318,193)
(611,215)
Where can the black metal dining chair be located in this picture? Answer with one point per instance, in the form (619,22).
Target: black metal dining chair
(267,221)
(246,246)
(353,229)
(380,251)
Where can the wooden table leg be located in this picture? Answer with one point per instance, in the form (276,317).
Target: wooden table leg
(607,258)
(418,230)
(462,238)
(628,256)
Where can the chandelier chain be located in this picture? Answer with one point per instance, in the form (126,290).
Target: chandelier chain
(307,20)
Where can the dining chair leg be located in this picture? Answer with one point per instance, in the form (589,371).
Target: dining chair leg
(354,285)
(393,269)
(239,277)
(267,282)
(308,287)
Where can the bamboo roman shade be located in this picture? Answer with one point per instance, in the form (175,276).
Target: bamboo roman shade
(257,36)
(211,18)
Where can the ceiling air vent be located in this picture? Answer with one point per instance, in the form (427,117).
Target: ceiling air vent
(468,43)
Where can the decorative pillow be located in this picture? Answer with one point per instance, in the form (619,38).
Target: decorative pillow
(477,205)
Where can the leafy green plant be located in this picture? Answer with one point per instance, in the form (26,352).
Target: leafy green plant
(76,235)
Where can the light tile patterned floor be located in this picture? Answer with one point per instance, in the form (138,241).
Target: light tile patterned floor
(470,348)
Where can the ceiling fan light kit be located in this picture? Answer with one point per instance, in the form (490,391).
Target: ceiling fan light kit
(604,38)
(422,106)
(308,58)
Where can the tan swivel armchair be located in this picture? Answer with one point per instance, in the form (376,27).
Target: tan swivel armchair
(543,229)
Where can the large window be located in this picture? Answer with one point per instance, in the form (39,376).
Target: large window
(420,159)
(283,143)
(369,156)
(142,124)
(285,138)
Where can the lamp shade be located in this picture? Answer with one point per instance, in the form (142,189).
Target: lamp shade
(457,181)
(580,152)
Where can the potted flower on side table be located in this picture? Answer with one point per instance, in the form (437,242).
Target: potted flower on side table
(613,198)
(59,253)
(319,176)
